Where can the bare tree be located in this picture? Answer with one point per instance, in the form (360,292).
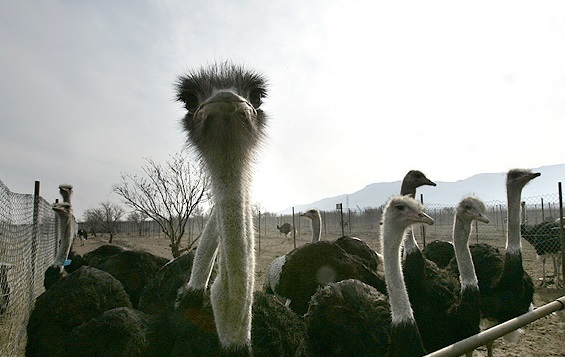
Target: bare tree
(168,194)
(106,216)
(138,218)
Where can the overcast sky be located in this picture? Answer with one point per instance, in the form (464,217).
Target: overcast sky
(360,91)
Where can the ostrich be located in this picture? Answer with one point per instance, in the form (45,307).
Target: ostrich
(54,272)
(350,318)
(545,238)
(446,310)
(295,277)
(82,235)
(65,216)
(506,289)
(285,229)
(225,126)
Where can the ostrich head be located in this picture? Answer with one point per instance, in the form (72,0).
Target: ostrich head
(224,121)
(63,209)
(471,208)
(403,211)
(516,179)
(412,181)
(311,213)
(66,191)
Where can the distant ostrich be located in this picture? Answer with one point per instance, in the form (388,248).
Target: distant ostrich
(545,238)
(225,125)
(82,235)
(285,229)
(445,310)
(349,318)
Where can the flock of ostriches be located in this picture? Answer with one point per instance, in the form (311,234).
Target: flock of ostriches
(326,298)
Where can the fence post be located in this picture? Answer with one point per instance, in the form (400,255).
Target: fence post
(35,228)
(561,230)
(422,225)
(293,229)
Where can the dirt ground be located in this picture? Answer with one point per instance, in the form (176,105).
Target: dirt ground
(544,337)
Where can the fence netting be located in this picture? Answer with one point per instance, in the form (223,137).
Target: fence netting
(28,242)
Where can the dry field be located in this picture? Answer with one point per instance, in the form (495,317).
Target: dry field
(545,337)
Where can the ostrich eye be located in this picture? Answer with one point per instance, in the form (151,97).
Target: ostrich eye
(256,97)
(400,207)
(190,102)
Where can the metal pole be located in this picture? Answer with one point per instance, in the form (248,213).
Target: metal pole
(480,339)
(422,226)
(259,225)
(293,230)
(35,228)
(561,230)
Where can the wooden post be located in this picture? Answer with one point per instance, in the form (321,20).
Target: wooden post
(561,230)
(35,229)
(339,207)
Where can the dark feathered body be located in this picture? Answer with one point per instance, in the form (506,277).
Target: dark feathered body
(359,249)
(433,292)
(75,299)
(348,318)
(160,293)
(440,252)
(316,264)
(133,269)
(276,331)
(544,237)
(508,294)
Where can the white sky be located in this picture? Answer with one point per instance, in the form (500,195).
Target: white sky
(360,91)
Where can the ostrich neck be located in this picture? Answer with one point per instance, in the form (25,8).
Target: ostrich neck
(316,229)
(66,229)
(461,231)
(513,243)
(401,311)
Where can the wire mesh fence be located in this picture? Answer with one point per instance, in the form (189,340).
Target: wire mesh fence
(28,243)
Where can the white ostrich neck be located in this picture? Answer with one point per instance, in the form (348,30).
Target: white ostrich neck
(401,311)
(316,229)
(66,229)
(410,244)
(513,243)
(461,232)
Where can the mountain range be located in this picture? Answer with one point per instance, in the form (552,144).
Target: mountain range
(487,186)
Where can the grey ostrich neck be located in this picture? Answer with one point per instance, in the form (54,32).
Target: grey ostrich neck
(515,182)
(461,232)
(225,127)
(401,310)
(64,215)
(316,223)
